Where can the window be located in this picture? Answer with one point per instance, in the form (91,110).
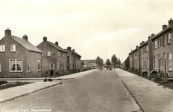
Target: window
(169,38)
(170,61)
(15,65)
(147,48)
(163,40)
(58,53)
(51,66)
(58,65)
(48,53)
(29,66)
(0,67)
(39,65)
(13,48)
(155,44)
(2,48)
(155,62)
(158,43)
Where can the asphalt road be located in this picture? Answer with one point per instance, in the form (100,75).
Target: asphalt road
(100,91)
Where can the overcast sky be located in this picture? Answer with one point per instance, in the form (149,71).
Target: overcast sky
(93,28)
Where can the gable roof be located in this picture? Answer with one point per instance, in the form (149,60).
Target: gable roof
(26,44)
(76,53)
(57,47)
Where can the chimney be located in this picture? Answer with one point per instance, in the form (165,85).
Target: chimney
(74,50)
(136,47)
(149,37)
(44,39)
(170,22)
(152,35)
(25,37)
(69,48)
(56,43)
(164,26)
(7,32)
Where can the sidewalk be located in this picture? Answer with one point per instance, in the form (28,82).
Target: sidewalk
(14,92)
(150,96)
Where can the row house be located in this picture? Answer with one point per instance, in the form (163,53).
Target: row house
(18,57)
(163,49)
(54,58)
(73,59)
(155,53)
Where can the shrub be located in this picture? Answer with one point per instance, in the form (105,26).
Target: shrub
(3,82)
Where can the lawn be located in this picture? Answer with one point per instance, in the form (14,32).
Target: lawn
(5,84)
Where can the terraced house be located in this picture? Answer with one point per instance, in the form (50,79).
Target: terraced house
(18,57)
(54,58)
(73,59)
(163,49)
(156,53)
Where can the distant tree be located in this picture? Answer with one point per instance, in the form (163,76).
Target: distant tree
(99,61)
(108,63)
(114,60)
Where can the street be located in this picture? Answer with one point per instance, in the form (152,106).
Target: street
(99,91)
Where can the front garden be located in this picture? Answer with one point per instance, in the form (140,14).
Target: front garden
(5,84)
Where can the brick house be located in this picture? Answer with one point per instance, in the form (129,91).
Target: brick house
(19,58)
(73,59)
(163,49)
(54,57)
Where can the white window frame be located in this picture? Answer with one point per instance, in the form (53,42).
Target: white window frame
(13,48)
(155,44)
(29,66)
(170,61)
(156,62)
(52,67)
(0,67)
(39,65)
(2,48)
(147,48)
(169,38)
(16,62)
(48,53)
(58,65)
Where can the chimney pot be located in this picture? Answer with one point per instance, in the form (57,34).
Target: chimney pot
(56,43)
(7,32)
(44,39)
(69,48)
(170,22)
(74,50)
(152,34)
(164,26)
(25,37)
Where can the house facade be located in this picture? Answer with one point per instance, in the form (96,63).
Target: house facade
(156,53)
(18,57)
(163,49)
(54,58)
(73,59)
(89,63)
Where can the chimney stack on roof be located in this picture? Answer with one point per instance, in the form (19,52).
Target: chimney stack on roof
(152,34)
(74,50)
(136,47)
(44,39)
(56,43)
(7,32)
(25,37)
(164,26)
(69,48)
(170,22)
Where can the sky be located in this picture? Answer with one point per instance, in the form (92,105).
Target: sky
(91,27)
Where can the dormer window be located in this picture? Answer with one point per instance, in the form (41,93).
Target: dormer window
(2,48)
(48,53)
(13,48)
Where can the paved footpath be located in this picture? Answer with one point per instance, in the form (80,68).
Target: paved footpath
(14,92)
(150,96)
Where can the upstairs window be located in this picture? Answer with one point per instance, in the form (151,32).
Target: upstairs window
(163,40)
(29,66)
(155,44)
(58,53)
(169,38)
(2,48)
(48,53)
(13,48)
(15,65)
(147,48)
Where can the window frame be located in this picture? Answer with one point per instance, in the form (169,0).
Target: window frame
(15,62)
(52,67)
(39,65)
(2,48)
(48,53)
(169,38)
(169,61)
(13,48)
